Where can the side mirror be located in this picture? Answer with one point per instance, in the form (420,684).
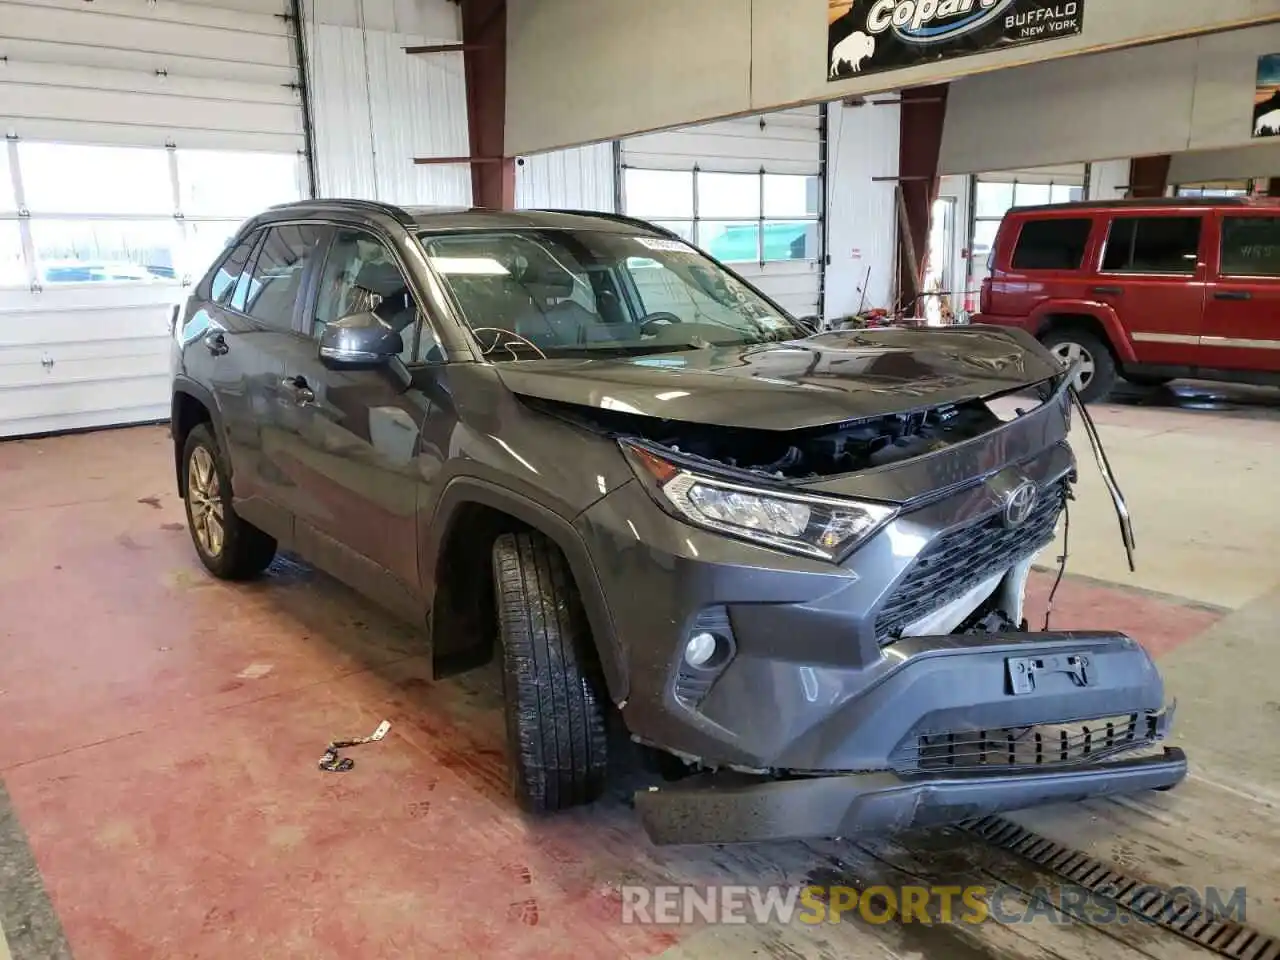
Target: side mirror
(359,341)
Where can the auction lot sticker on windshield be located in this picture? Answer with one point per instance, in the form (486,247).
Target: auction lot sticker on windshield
(871,36)
(666,246)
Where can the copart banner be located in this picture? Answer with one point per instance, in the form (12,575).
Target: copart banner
(871,36)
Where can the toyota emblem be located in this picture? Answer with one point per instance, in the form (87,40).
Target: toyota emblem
(1018,504)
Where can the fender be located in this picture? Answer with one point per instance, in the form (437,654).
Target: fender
(1102,312)
(184,384)
(466,489)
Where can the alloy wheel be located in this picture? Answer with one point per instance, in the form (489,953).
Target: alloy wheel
(1068,354)
(204,499)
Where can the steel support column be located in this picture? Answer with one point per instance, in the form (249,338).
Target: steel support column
(924,109)
(1149,176)
(1273,187)
(484,38)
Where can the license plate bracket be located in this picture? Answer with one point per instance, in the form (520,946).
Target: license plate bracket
(1023,671)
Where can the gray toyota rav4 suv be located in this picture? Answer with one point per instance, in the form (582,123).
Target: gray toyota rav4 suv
(788,563)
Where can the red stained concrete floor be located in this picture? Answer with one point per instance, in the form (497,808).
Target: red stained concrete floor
(162,732)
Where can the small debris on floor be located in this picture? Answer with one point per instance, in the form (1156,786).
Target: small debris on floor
(332,763)
(255,671)
(150,501)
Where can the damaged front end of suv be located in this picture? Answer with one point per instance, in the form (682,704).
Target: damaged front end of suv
(824,618)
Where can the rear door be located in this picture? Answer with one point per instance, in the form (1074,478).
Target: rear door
(1153,275)
(265,310)
(1242,314)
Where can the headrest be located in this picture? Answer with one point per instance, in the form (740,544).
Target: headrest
(382,278)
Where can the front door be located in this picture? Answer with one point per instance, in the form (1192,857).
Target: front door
(350,442)
(1242,313)
(1153,276)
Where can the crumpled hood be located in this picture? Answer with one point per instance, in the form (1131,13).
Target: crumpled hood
(824,379)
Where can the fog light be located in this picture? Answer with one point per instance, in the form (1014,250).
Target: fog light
(701,649)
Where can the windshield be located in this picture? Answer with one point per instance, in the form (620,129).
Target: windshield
(530,294)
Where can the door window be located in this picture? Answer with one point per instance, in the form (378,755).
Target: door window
(1153,245)
(1054,244)
(1251,246)
(276,279)
(222,284)
(362,276)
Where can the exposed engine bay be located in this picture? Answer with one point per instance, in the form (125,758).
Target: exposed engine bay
(798,454)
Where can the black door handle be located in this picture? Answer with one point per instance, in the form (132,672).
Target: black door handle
(1109,291)
(298,390)
(1233,295)
(216,343)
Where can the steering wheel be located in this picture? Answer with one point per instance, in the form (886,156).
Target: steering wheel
(661,318)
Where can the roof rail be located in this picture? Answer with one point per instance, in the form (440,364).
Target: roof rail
(369,206)
(620,218)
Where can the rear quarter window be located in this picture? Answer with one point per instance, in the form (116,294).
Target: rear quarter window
(1054,244)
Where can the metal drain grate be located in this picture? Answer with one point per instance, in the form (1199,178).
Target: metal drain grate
(1158,905)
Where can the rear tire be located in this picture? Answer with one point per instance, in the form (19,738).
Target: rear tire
(1099,375)
(556,730)
(230,547)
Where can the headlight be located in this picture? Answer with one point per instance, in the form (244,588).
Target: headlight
(822,527)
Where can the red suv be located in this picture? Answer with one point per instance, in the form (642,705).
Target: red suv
(1147,290)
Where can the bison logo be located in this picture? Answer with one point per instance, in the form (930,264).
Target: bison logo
(855,50)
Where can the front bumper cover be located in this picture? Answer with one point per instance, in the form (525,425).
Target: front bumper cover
(733,808)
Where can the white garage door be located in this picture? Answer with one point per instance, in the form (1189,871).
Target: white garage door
(748,191)
(139,135)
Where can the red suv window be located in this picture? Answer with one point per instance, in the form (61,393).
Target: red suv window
(1251,246)
(1153,245)
(1054,244)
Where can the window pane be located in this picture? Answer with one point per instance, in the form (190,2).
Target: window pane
(729,241)
(791,196)
(86,251)
(791,240)
(1032,194)
(13,272)
(1251,246)
(728,195)
(223,283)
(1052,245)
(62,178)
(204,242)
(658,193)
(1153,245)
(984,237)
(217,183)
(278,272)
(6,180)
(684,228)
(1066,194)
(994,199)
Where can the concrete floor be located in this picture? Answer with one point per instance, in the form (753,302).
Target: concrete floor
(159,796)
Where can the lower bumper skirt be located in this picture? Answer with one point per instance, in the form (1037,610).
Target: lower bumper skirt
(727,808)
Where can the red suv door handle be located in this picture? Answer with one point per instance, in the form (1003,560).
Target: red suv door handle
(1233,295)
(1109,291)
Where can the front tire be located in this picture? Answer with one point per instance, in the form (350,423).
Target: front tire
(1098,372)
(230,547)
(556,730)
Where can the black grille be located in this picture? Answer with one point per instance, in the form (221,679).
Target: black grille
(956,562)
(1058,745)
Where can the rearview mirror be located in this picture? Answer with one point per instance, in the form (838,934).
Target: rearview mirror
(359,341)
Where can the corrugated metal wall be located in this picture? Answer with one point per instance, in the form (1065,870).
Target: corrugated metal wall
(375,108)
(580,178)
(862,143)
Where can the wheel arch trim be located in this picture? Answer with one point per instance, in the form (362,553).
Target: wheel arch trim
(185,386)
(1050,314)
(461,491)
